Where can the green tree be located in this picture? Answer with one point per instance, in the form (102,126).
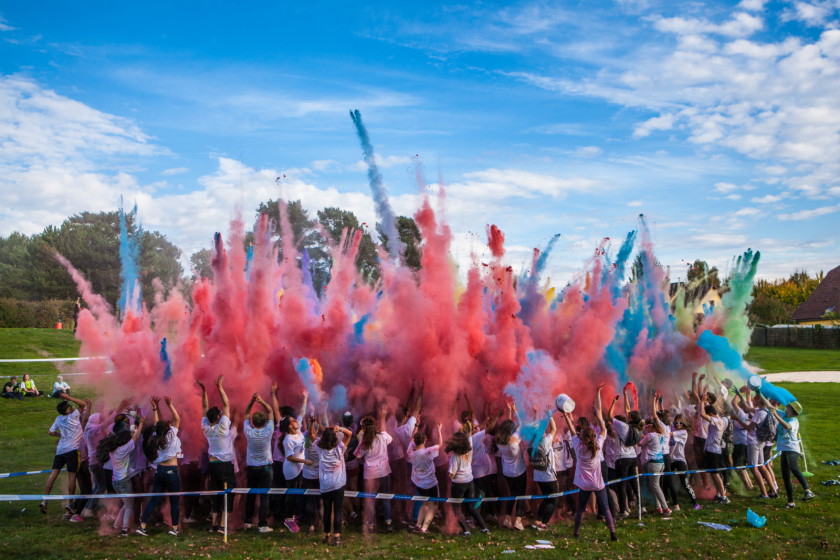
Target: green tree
(700,271)
(200,261)
(411,239)
(334,221)
(637,271)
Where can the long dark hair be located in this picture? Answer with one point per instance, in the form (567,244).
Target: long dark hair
(589,438)
(369,427)
(111,443)
(635,419)
(505,431)
(284,429)
(328,440)
(459,444)
(154,439)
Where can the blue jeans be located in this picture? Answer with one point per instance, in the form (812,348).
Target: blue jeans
(166,480)
(100,484)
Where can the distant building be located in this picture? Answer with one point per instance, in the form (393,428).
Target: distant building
(702,294)
(824,300)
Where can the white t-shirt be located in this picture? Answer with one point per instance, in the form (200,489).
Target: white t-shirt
(652,445)
(666,448)
(611,450)
(739,433)
(218,436)
(513,457)
(714,441)
(332,472)
(788,440)
(678,439)
(482,463)
(423,465)
(460,467)
(293,446)
(752,435)
(138,458)
(550,473)
(259,444)
(395,448)
(121,460)
(588,472)
(171,446)
(558,449)
(701,426)
(622,429)
(405,432)
(310,452)
(60,386)
(93,435)
(376,458)
(70,428)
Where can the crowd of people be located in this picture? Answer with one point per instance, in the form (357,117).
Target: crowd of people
(13,389)
(502,452)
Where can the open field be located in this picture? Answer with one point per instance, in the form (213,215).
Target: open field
(773,359)
(810,531)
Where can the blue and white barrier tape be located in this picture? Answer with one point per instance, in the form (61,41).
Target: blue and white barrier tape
(9,474)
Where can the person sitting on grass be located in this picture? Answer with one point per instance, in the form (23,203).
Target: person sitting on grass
(28,387)
(788,442)
(69,429)
(60,387)
(11,390)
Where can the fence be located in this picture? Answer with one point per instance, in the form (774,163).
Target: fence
(796,336)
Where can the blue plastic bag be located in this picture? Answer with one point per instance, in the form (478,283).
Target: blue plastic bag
(755,520)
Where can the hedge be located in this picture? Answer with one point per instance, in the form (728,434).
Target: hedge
(19,314)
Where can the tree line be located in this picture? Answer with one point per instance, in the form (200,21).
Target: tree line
(91,242)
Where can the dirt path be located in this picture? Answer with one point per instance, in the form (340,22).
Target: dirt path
(804,376)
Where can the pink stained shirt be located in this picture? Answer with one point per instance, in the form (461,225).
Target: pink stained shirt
(588,472)
(376,458)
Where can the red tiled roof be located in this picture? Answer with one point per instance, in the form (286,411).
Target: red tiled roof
(825,297)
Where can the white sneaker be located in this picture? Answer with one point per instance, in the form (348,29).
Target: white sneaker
(247,526)
(506,523)
(266,529)
(87,513)
(518,525)
(189,520)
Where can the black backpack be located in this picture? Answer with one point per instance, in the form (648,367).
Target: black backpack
(766,431)
(634,437)
(726,437)
(539,460)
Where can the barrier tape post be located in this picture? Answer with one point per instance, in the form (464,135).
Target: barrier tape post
(639,492)
(226,509)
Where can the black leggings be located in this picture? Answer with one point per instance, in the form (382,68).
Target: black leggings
(221,473)
(547,506)
(624,467)
(790,464)
(681,467)
(601,499)
(295,503)
(488,487)
(277,502)
(667,481)
(517,486)
(313,503)
(465,490)
(333,503)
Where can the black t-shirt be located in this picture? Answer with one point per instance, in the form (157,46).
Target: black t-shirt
(9,387)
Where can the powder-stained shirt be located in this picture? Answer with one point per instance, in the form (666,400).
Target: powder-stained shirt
(218,436)
(293,446)
(259,444)
(550,473)
(678,440)
(588,473)
(513,457)
(423,465)
(623,430)
(121,460)
(652,445)
(332,473)
(714,441)
(69,426)
(376,458)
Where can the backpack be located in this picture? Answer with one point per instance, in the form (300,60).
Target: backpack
(634,437)
(726,437)
(766,431)
(539,460)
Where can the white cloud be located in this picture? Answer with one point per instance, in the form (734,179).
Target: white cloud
(809,214)
(587,152)
(175,171)
(814,14)
(664,122)
(505,183)
(4,25)
(734,197)
(742,24)
(634,203)
(324,164)
(752,5)
(747,212)
(383,162)
(769,199)
(725,187)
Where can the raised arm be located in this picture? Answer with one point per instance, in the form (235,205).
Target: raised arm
(440,434)
(86,414)
(78,402)
(612,408)
(656,398)
(772,410)
(139,429)
(470,409)
(409,401)
(205,405)
(176,419)
(701,409)
(250,405)
(223,395)
(155,402)
(305,394)
(275,403)
(347,433)
(627,407)
(383,412)
(552,426)
(570,423)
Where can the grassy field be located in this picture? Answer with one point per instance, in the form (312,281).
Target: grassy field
(810,531)
(774,360)
(36,343)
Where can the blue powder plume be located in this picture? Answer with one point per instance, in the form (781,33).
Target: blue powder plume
(129,257)
(164,357)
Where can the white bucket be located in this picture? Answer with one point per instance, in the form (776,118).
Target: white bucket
(755,382)
(564,403)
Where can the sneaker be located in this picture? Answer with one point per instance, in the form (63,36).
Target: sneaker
(311,531)
(724,501)
(506,523)
(809,495)
(613,537)
(69,509)
(677,508)
(337,541)
(67,516)
(774,495)
(791,505)
(763,498)
(659,510)
(666,513)
(188,520)
(291,525)
(389,528)
(518,525)
(43,507)
(87,513)
(174,532)
(76,519)
(214,529)
(124,533)
(697,507)
(266,529)
(485,532)
(142,532)
(717,499)
(623,515)
(466,534)
(247,526)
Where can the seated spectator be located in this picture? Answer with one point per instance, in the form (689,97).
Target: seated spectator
(11,390)
(60,387)
(28,387)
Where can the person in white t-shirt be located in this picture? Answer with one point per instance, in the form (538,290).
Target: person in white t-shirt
(69,429)
(626,428)
(680,431)
(293,445)
(653,446)
(755,447)
(310,473)
(162,448)
(216,427)
(588,476)
(460,447)
(713,457)
(508,443)
(788,442)
(546,478)
(405,422)
(701,427)
(423,477)
(373,449)
(119,446)
(258,430)
(332,479)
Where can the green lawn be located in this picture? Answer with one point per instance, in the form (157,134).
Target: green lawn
(774,359)
(810,531)
(36,343)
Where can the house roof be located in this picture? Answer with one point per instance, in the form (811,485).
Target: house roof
(825,298)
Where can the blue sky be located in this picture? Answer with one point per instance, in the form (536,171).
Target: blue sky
(719,120)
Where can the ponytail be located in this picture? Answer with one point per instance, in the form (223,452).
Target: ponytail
(111,443)
(154,439)
(369,427)
(589,439)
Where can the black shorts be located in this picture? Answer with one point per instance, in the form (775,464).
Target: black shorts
(740,455)
(713,460)
(429,492)
(72,459)
(768,452)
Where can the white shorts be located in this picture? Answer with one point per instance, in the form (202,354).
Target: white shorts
(755,454)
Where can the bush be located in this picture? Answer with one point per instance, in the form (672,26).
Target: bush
(15,313)
(768,310)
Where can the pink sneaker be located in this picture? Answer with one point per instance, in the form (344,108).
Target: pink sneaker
(76,519)
(666,513)
(291,525)
(697,507)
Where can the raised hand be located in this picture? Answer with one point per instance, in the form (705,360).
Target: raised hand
(219,381)
(124,403)
(255,397)
(600,386)
(275,387)
(168,400)
(155,401)
(201,384)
